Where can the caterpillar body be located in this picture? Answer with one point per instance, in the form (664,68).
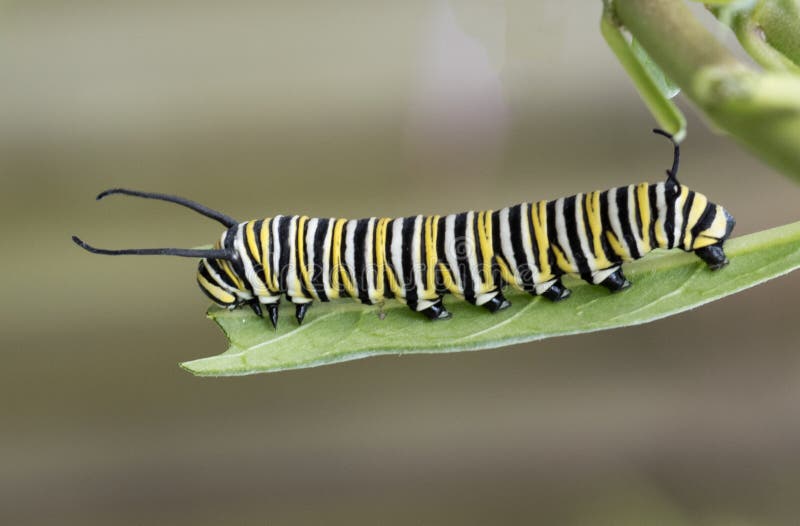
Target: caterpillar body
(472,255)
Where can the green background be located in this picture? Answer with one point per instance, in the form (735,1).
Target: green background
(356,109)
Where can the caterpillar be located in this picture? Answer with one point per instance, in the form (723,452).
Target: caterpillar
(472,255)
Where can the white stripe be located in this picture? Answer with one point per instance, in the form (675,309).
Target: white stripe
(369,244)
(219,281)
(561,234)
(505,243)
(581,226)
(397,254)
(277,246)
(450,249)
(326,259)
(472,254)
(256,284)
(350,253)
(416,257)
(678,221)
(613,217)
(311,231)
(527,236)
(661,204)
(632,206)
(293,289)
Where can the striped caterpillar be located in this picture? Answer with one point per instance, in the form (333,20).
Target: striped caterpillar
(472,255)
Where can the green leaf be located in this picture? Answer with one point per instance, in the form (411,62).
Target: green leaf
(664,283)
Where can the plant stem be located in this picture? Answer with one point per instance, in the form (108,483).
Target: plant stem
(761,110)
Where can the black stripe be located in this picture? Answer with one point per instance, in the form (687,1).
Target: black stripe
(670,197)
(552,238)
(301,236)
(319,263)
(605,223)
(462,251)
(441,256)
(359,242)
(342,263)
(623,214)
(653,197)
(579,258)
(387,260)
(533,265)
(587,228)
(705,221)
(408,262)
(497,276)
(216,266)
(478,247)
(687,207)
(203,271)
(255,257)
(283,260)
(523,269)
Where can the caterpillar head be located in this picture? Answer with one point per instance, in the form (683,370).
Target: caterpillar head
(704,226)
(222,280)
(691,221)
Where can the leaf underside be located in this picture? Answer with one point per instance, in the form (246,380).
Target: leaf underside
(664,283)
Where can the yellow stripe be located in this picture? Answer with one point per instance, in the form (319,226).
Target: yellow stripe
(336,261)
(231,274)
(539,220)
(301,256)
(380,254)
(266,228)
(596,227)
(485,233)
(643,201)
(616,246)
(394,285)
(480,287)
(506,272)
(561,260)
(698,206)
(218,292)
(250,232)
(449,282)
(430,257)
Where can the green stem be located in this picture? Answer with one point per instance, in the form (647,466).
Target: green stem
(666,113)
(761,110)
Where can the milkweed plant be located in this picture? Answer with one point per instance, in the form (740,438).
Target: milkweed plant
(665,50)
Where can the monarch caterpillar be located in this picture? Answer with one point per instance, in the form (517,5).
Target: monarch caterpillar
(472,255)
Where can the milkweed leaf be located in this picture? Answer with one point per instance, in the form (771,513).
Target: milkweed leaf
(664,283)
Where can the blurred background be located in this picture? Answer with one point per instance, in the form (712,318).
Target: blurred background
(357,109)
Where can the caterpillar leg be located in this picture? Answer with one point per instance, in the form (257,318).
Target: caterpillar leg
(616,281)
(557,291)
(272,311)
(256,306)
(300,311)
(497,303)
(437,311)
